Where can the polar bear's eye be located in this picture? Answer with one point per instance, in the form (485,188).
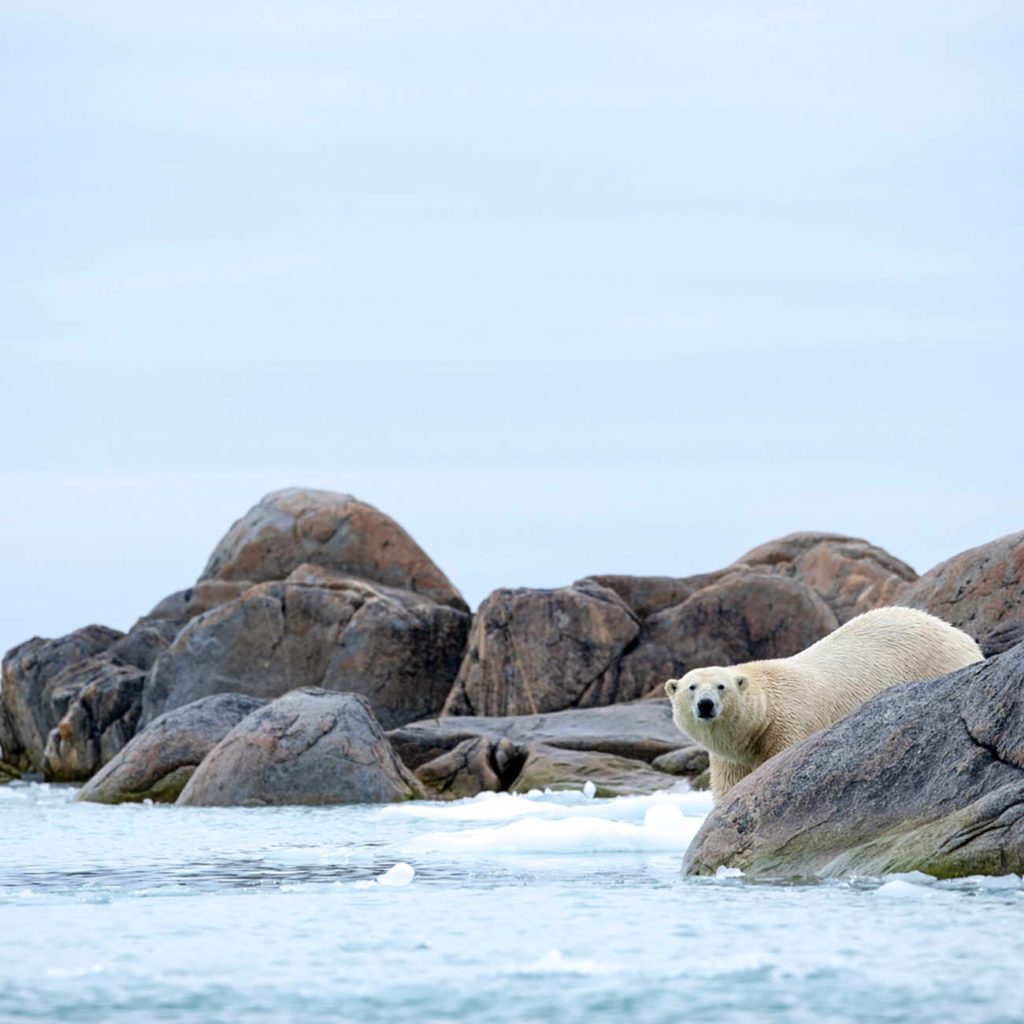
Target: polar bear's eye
(721,686)
(693,686)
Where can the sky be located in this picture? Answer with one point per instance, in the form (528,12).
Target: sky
(563,288)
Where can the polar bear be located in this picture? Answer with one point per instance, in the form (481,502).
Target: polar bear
(745,714)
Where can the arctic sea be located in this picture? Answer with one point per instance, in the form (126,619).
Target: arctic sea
(547,907)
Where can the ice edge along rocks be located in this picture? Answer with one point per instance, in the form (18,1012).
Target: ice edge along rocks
(314,589)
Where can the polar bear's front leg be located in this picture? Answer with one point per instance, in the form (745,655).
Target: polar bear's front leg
(725,774)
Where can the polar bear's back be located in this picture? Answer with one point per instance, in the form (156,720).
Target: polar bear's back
(886,647)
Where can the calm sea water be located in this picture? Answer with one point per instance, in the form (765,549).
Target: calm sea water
(542,908)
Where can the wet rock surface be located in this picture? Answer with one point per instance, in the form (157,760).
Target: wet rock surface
(926,776)
(309,747)
(158,762)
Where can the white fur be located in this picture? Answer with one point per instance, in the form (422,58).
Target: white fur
(762,707)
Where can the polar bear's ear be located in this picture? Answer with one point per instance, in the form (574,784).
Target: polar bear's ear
(741,681)
(671,686)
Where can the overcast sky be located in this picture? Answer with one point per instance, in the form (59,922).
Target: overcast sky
(563,287)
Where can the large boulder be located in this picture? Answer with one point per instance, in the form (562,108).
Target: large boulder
(335,531)
(308,747)
(926,776)
(40,679)
(851,575)
(533,651)
(317,628)
(641,730)
(476,765)
(977,590)
(157,762)
(744,617)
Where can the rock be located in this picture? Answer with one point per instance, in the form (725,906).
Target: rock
(692,760)
(1003,637)
(157,762)
(851,575)
(534,651)
(559,769)
(647,595)
(317,628)
(99,721)
(744,617)
(642,730)
(925,777)
(307,747)
(295,526)
(8,773)
(475,765)
(977,590)
(184,605)
(40,679)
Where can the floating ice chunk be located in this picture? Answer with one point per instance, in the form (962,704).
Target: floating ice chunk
(900,889)
(399,874)
(589,789)
(918,877)
(725,872)
(664,830)
(555,962)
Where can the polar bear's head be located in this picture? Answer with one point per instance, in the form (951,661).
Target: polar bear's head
(705,697)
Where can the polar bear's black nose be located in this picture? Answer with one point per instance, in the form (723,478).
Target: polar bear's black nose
(705,708)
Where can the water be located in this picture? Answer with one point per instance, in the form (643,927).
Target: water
(542,908)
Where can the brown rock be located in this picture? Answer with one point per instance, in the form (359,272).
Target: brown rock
(745,617)
(317,628)
(158,761)
(977,590)
(926,776)
(533,651)
(647,595)
(40,679)
(183,605)
(851,575)
(307,747)
(558,769)
(293,526)
(475,765)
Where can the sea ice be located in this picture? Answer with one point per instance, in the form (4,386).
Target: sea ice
(399,874)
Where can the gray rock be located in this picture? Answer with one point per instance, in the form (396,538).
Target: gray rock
(641,730)
(977,590)
(99,720)
(40,679)
(693,760)
(1002,638)
(319,629)
(308,747)
(926,776)
(558,769)
(297,525)
(157,762)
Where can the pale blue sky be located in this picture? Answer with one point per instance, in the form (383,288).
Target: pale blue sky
(565,288)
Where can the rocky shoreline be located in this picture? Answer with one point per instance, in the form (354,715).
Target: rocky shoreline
(322,657)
